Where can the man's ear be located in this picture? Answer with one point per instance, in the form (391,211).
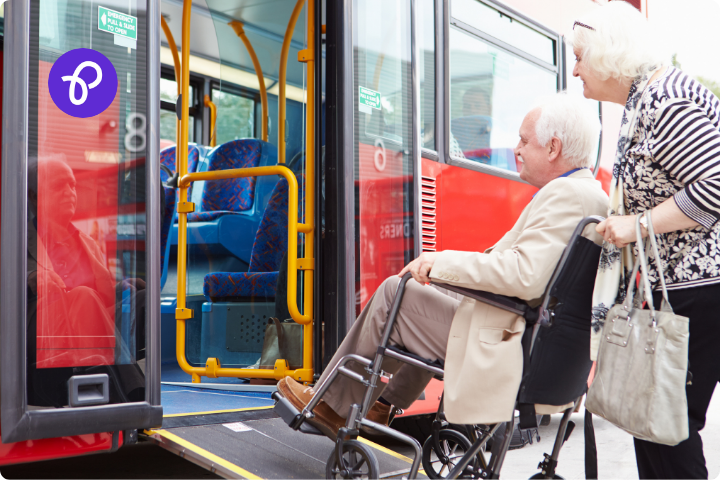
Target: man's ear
(554,149)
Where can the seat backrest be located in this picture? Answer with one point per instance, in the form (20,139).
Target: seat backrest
(271,239)
(167,158)
(232,194)
(167,217)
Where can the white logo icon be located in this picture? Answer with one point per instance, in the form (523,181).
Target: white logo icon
(75,79)
(104,19)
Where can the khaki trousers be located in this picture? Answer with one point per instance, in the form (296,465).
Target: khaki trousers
(422,327)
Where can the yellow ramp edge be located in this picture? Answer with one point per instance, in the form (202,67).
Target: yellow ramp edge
(232,410)
(198,455)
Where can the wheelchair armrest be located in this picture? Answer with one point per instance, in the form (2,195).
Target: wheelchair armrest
(511,304)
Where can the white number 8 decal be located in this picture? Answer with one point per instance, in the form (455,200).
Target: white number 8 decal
(135,139)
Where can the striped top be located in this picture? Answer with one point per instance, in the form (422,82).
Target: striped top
(675,152)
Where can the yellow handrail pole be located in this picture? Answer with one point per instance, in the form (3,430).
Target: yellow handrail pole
(303,374)
(176,65)
(213,119)
(183,206)
(240,32)
(308,57)
(283,78)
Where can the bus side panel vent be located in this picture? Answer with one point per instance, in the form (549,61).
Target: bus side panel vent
(428,209)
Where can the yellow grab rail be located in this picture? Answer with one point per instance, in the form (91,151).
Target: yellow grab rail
(213,119)
(283,78)
(240,32)
(176,65)
(212,368)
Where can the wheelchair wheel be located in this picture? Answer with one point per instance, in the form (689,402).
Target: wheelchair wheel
(358,462)
(452,445)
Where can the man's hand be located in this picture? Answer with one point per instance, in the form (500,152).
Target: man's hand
(619,230)
(420,267)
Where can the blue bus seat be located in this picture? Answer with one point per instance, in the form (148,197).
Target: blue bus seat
(167,219)
(268,250)
(167,158)
(229,211)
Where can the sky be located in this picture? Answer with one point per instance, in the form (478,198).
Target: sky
(690,28)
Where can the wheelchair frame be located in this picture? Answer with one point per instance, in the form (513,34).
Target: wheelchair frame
(473,458)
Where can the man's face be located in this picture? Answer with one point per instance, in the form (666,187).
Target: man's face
(57,200)
(534,158)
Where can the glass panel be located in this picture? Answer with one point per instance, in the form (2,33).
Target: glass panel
(233,287)
(168,118)
(2,19)
(383,143)
(86,210)
(234,116)
(490,21)
(490,93)
(426,72)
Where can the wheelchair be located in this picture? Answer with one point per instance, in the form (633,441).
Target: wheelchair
(555,372)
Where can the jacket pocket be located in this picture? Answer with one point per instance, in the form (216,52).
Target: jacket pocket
(493,336)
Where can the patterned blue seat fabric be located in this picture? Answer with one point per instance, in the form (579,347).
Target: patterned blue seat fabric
(167,158)
(232,195)
(268,250)
(167,221)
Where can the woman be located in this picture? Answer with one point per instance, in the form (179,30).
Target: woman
(668,160)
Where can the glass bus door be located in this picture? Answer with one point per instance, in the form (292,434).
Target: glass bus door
(80,243)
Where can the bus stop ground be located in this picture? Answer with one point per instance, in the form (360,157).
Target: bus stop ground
(616,456)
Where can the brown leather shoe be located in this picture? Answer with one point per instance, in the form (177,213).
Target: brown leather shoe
(325,420)
(378,413)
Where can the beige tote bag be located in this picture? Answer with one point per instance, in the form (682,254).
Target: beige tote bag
(641,374)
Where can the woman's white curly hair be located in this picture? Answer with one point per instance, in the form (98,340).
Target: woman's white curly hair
(620,43)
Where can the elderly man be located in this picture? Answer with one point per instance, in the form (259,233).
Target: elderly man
(480,344)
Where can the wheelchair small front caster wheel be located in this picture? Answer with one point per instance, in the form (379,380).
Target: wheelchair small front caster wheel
(439,459)
(358,461)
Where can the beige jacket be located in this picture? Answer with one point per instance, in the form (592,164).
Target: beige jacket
(483,366)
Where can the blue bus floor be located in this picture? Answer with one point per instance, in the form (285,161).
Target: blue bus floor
(193,399)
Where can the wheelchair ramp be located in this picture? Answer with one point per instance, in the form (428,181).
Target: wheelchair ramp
(257,444)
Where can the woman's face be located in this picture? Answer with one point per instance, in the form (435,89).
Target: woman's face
(593,87)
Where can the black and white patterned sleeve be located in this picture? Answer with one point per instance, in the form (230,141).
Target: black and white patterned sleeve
(687,144)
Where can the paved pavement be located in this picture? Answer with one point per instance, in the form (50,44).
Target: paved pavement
(616,455)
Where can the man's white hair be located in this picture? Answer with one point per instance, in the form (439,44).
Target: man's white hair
(622,44)
(574,121)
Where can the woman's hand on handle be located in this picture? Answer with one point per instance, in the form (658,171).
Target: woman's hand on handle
(420,267)
(666,217)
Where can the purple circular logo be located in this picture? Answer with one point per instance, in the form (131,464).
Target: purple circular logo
(83,83)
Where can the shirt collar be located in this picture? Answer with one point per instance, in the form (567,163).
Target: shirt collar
(566,174)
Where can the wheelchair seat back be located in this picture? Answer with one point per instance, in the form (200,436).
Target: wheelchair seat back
(557,370)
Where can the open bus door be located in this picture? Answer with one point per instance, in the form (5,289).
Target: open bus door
(79,325)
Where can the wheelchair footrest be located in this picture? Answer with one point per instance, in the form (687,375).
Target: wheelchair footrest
(292,416)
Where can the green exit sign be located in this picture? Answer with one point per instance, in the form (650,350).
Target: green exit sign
(117,23)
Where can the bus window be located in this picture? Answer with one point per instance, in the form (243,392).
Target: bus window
(490,93)
(168,117)
(502,27)
(234,116)
(426,72)
(383,144)
(86,206)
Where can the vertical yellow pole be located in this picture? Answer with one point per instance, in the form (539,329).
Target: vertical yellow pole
(308,274)
(283,78)
(240,32)
(176,65)
(213,119)
(181,312)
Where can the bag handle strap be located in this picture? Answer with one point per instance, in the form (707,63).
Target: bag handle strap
(658,263)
